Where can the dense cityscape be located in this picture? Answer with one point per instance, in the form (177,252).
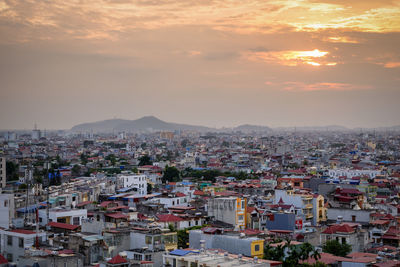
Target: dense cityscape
(190,198)
(199,133)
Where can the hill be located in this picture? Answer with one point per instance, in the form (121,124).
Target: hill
(145,124)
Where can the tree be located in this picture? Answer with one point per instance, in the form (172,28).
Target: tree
(336,248)
(84,158)
(76,170)
(274,253)
(149,188)
(145,160)
(171,174)
(11,171)
(183,236)
(111,158)
(23,187)
(291,255)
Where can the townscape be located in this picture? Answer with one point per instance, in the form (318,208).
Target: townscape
(248,197)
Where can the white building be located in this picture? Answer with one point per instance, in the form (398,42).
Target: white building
(15,242)
(6,210)
(134,181)
(230,210)
(69,216)
(177,199)
(350,173)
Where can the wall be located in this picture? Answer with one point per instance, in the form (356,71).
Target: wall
(362,216)
(6,210)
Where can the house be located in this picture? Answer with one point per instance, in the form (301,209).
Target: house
(14,242)
(154,238)
(303,200)
(350,233)
(117,261)
(63,215)
(141,255)
(172,199)
(178,222)
(90,246)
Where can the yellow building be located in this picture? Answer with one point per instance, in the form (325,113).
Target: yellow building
(319,206)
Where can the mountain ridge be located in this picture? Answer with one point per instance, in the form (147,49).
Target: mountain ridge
(152,123)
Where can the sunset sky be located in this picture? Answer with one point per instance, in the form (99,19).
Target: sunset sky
(203,62)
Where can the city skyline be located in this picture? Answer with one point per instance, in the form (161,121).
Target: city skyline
(212,63)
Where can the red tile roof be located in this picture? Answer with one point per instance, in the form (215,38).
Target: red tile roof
(63,225)
(179,194)
(198,193)
(341,228)
(84,203)
(117,260)
(22,231)
(168,218)
(116,215)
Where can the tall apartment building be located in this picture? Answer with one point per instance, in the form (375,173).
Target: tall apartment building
(231,210)
(139,182)
(3,172)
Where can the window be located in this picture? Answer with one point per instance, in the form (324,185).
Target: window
(21,242)
(9,240)
(5,203)
(240,217)
(353,218)
(196,222)
(257,248)
(148,240)
(137,257)
(148,258)
(242,204)
(75,221)
(343,240)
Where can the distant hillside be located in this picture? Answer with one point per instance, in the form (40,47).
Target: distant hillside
(251,128)
(313,128)
(148,123)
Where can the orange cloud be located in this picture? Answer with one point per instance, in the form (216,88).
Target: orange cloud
(324,86)
(247,16)
(392,65)
(291,58)
(341,39)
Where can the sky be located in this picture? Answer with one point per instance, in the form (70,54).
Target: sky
(204,62)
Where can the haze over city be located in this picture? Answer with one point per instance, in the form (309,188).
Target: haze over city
(211,63)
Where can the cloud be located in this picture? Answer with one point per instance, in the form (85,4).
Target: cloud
(392,65)
(322,86)
(291,58)
(108,18)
